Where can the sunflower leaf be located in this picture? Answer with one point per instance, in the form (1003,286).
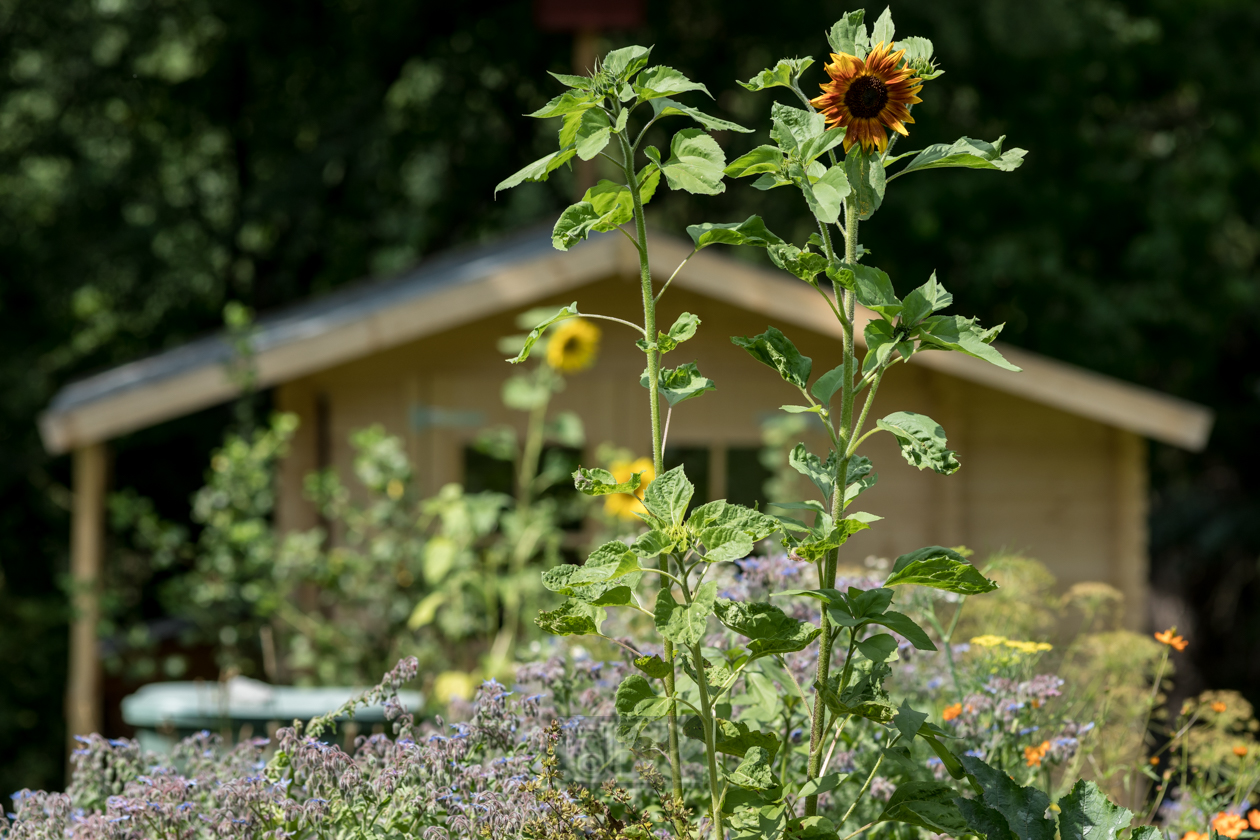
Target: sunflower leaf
(793,127)
(954,332)
(752,231)
(659,81)
(536,333)
(538,170)
(566,103)
(825,197)
(848,35)
(763,159)
(780,75)
(627,61)
(774,349)
(579,82)
(922,441)
(803,264)
(968,154)
(681,383)
(591,134)
(695,163)
(684,624)
(866,179)
(600,482)
(635,698)
(882,31)
(573,618)
(664,107)
(875,290)
(923,301)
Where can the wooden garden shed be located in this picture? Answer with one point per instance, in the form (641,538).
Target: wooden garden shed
(1054,458)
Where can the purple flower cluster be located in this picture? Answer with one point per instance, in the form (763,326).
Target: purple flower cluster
(461,780)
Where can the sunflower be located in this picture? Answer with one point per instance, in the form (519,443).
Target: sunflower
(626,505)
(865,96)
(573,346)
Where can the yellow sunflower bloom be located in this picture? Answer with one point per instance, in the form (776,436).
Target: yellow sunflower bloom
(573,345)
(867,96)
(625,505)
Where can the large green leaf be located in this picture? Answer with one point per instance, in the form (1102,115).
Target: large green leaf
(683,329)
(724,514)
(848,35)
(773,348)
(761,160)
(664,81)
(680,383)
(793,127)
(755,771)
(573,618)
(882,31)
(684,624)
(967,153)
(652,544)
(825,387)
(922,441)
(939,568)
(780,75)
(536,333)
(928,805)
(866,179)
(1023,808)
(600,482)
(874,290)
(695,163)
(905,626)
(589,130)
(733,738)
(923,301)
(815,147)
(539,170)
(574,225)
(724,544)
(566,103)
(954,332)
(635,698)
(770,630)
(983,820)
(825,196)
(818,545)
(752,231)
(805,264)
(625,62)
(606,579)
(668,496)
(1087,814)
(665,107)
(821,473)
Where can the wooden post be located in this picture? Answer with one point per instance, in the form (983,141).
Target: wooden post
(87,547)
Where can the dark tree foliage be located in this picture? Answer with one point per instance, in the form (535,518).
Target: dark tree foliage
(159,158)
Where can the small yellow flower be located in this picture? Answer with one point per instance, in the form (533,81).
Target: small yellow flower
(988,641)
(394,489)
(454,684)
(626,505)
(573,345)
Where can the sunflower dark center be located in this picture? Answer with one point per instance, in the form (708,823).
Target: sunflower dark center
(866,97)
(572,345)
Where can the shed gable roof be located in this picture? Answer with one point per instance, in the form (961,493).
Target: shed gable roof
(469,284)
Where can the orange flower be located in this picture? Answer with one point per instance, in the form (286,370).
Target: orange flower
(865,96)
(1034,755)
(1194,835)
(1170,638)
(952,712)
(1253,817)
(1218,707)
(1229,825)
(1154,761)
(1240,751)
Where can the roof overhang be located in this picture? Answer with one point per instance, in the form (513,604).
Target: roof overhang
(465,286)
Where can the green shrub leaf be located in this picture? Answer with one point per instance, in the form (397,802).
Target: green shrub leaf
(780,75)
(653,666)
(752,231)
(1087,814)
(1023,808)
(967,153)
(695,162)
(848,35)
(733,738)
(664,107)
(573,618)
(536,333)
(539,170)
(954,332)
(929,805)
(681,383)
(770,630)
(684,624)
(939,568)
(600,482)
(667,497)
(635,698)
(660,81)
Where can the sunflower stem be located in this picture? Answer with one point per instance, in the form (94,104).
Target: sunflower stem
(654,403)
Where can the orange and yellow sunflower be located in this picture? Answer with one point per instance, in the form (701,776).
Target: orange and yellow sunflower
(867,96)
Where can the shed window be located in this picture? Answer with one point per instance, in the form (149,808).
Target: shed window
(746,476)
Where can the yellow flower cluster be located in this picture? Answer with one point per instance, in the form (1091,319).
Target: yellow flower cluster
(1013,644)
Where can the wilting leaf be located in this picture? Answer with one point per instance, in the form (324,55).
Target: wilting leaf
(922,441)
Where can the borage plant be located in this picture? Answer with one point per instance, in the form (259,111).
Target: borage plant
(836,151)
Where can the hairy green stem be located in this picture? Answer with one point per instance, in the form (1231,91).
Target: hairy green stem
(818,732)
(654,401)
(710,741)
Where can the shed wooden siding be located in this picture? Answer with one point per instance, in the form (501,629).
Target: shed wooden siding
(1067,490)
